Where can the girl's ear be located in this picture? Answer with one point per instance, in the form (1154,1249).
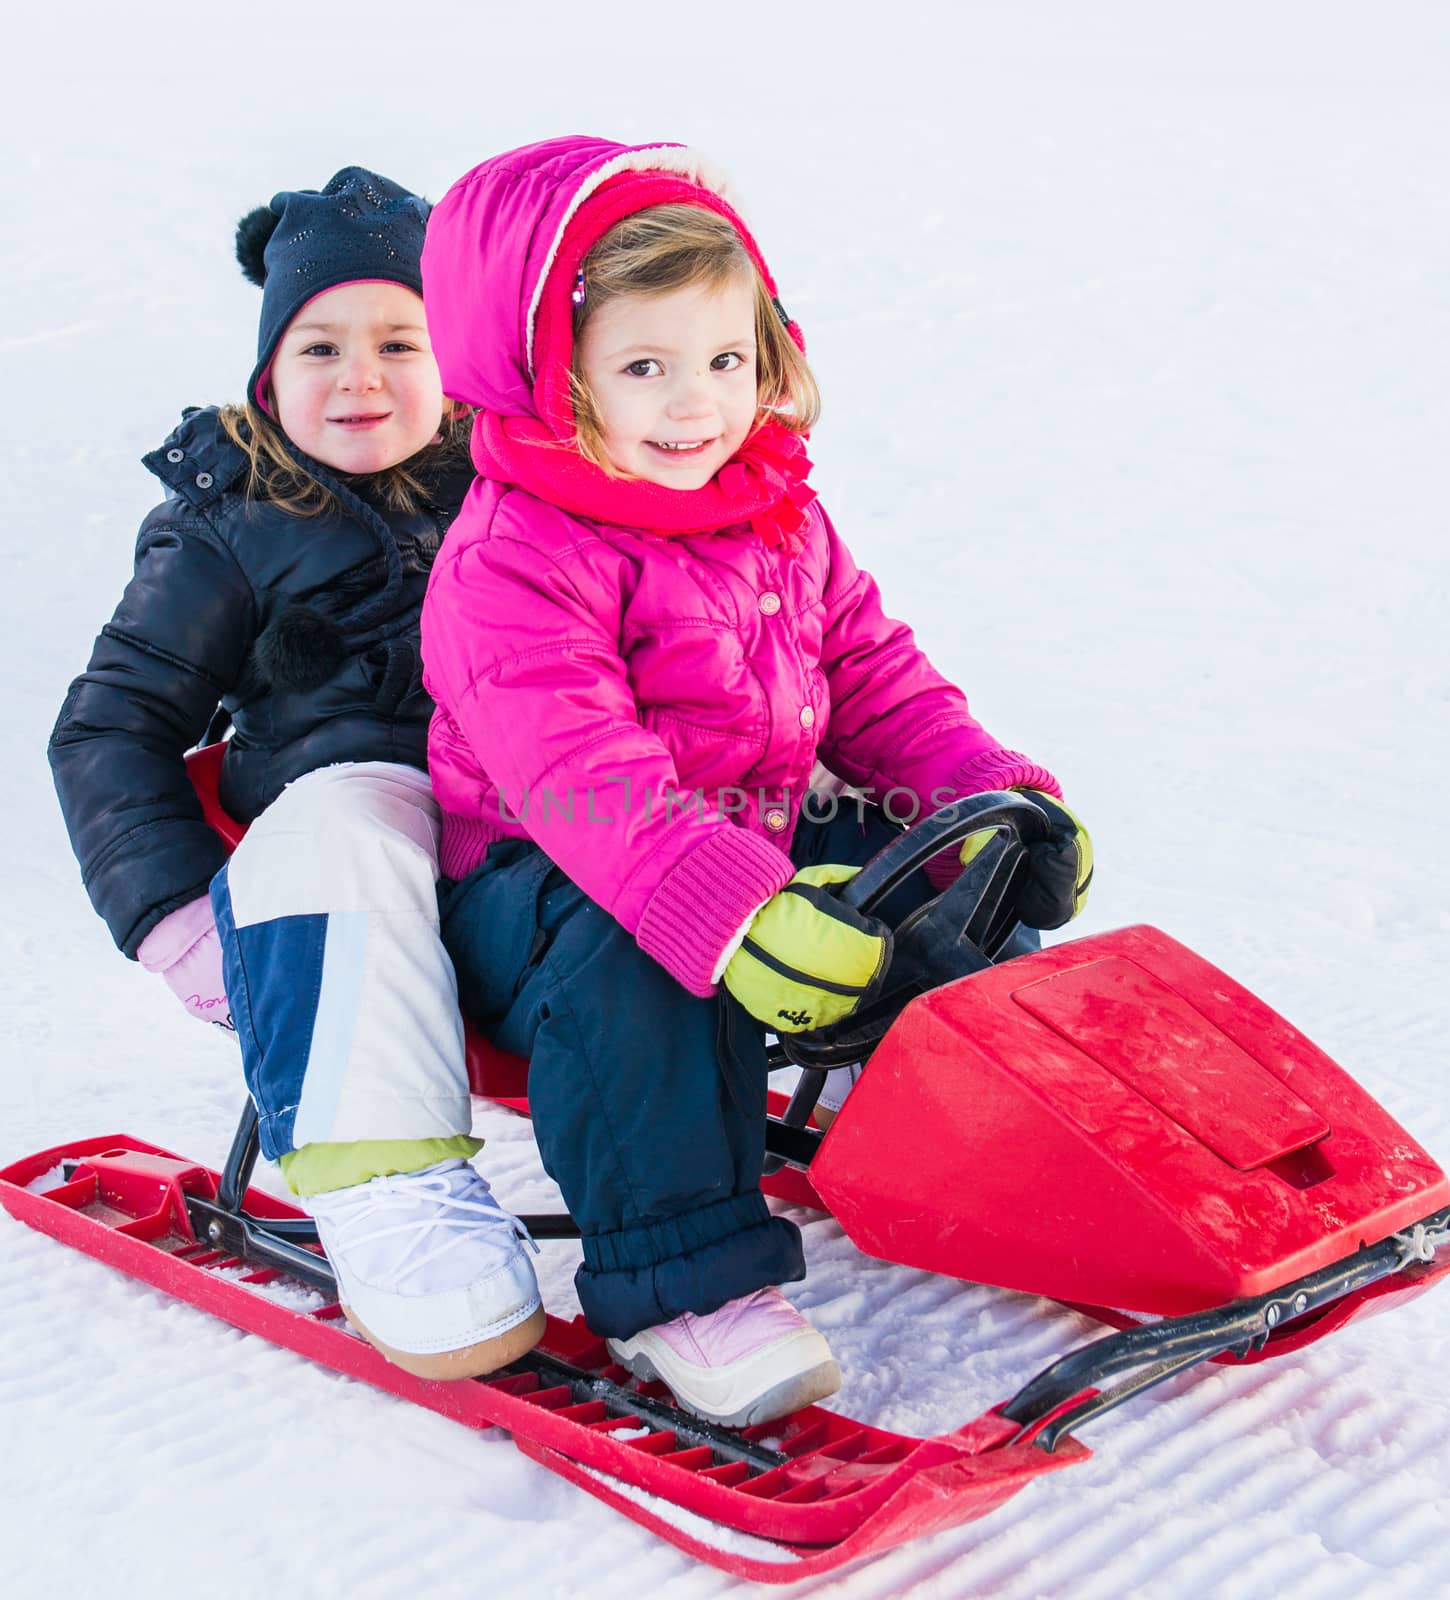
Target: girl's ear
(454,411)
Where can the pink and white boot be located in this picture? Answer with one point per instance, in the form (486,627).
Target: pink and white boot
(754,1359)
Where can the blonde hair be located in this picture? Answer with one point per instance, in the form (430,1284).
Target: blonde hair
(275,474)
(664,248)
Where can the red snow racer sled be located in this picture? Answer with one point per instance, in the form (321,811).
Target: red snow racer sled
(1112,1123)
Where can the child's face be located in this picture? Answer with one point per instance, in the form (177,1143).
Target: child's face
(354,382)
(673,380)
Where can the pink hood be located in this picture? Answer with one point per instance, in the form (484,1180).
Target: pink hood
(497,266)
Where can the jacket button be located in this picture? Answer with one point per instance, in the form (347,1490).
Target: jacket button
(808,717)
(204,480)
(775,820)
(769,603)
(174,455)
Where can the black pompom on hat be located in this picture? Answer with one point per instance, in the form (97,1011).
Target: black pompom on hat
(253,232)
(359,226)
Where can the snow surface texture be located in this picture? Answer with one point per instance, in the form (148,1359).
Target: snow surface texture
(1132,324)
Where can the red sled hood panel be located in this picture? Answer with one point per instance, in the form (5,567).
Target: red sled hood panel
(1117,1122)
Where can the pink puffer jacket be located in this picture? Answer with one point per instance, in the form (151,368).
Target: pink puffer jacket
(647,710)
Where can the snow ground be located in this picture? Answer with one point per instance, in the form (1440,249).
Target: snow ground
(1132,324)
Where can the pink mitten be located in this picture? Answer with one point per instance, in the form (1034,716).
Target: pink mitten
(186,950)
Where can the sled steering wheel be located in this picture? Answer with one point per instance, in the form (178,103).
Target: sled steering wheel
(958,932)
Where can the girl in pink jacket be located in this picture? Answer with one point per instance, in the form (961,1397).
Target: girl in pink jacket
(641,633)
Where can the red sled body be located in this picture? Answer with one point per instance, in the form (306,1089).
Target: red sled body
(1112,1123)
(1117,1123)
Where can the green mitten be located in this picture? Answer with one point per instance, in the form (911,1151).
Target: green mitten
(807,960)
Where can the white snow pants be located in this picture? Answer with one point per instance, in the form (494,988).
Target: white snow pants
(342,993)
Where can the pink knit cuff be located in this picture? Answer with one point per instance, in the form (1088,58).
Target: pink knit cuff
(465,844)
(702,901)
(1000,769)
(175,934)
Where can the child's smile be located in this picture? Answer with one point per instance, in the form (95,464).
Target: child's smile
(362,419)
(678,452)
(673,380)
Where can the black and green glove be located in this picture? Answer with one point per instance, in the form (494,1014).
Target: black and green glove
(807,960)
(1060,867)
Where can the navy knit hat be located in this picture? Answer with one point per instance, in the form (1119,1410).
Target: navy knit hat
(360,226)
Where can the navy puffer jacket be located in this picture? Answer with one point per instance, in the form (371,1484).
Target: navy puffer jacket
(304,630)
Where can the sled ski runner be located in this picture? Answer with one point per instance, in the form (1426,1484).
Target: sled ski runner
(824,1489)
(1111,1123)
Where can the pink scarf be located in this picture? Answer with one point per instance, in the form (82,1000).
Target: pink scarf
(763,483)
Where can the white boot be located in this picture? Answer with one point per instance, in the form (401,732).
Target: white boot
(432,1271)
